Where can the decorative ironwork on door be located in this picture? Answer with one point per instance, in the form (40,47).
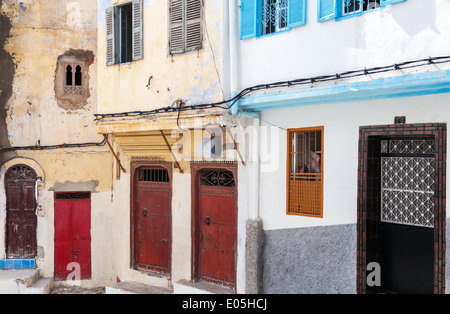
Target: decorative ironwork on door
(407,183)
(217,178)
(20,172)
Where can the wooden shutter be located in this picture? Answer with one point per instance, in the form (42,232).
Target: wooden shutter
(326,10)
(110,37)
(249,18)
(386,2)
(176,40)
(297,13)
(193,24)
(137,30)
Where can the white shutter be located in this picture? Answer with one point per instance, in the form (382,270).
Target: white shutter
(193,24)
(176,41)
(110,37)
(137,30)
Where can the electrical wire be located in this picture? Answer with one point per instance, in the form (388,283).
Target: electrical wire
(52,147)
(227,104)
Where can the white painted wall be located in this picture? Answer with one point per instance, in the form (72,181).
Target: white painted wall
(341,122)
(400,32)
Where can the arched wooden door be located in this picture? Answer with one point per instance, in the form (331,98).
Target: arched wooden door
(21,219)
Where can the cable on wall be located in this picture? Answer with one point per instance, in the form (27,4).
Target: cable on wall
(227,104)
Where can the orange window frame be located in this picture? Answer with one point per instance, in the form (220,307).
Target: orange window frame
(304,187)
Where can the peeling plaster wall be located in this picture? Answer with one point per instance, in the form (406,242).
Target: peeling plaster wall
(7,70)
(36,35)
(193,76)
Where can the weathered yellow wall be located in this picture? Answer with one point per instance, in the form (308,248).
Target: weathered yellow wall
(41,31)
(193,77)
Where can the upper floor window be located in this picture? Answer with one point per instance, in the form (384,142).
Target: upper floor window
(124,25)
(350,7)
(185,24)
(274,16)
(262,17)
(330,9)
(74,79)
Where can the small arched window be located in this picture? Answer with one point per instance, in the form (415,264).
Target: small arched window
(74,79)
(69,79)
(78,76)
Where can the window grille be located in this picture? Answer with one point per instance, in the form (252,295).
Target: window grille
(72,195)
(153,175)
(305,172)
(274,16)
(217,178)
(350,7)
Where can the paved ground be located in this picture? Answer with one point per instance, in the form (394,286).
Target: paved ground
(77,290)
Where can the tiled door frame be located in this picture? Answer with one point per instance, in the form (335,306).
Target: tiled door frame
(368,193)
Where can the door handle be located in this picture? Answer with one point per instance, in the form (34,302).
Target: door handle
(207,220)
(145,212)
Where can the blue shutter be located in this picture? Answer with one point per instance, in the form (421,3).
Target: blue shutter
(326,9)
(248,18)
(386,2)
(297,13)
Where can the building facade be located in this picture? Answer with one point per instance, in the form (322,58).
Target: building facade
(358,91)
(233,146)
(55,190)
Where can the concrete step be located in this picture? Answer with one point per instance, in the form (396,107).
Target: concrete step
(23,281)
(187,287)
(41,286)
(130,287)
(13,280)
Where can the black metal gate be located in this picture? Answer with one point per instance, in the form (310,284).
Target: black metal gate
(407,215)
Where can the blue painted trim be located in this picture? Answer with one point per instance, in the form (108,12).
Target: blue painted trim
(429,83)
(17,263)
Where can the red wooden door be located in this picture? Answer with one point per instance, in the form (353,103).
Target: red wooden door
(21,212)
(216,208)
(153,221)
(72,234)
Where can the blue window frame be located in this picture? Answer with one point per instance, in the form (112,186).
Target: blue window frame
(263,17)
(330,9)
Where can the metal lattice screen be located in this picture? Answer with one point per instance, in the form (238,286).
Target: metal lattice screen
(305,178)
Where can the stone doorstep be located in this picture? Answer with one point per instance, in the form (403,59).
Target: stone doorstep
(187,287)
(129,287)
(24,281)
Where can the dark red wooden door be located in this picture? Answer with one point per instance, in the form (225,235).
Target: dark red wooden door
(21,212)
(72,234)
(153,221)
(216,207)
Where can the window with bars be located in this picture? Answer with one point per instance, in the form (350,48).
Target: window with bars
(185,19)
(153,175)
(262,17)
(274,16)
(350,7)
(305,172)
(124,29)
(330,9)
